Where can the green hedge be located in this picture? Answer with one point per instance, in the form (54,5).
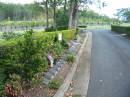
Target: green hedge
(67,34)
(82,26)
(121,29)
(59,28)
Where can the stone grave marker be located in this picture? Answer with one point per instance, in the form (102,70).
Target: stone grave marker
(50,60)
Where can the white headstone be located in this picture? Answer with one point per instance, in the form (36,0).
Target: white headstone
(60,36)
(51,60)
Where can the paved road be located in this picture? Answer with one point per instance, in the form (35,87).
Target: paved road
(110,68)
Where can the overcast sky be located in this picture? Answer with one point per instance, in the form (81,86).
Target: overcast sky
(108,10)
(113,5)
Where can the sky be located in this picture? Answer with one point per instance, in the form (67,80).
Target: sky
(112,6)
(109,10)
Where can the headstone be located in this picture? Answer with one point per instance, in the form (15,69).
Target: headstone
(50,59)
(60,36)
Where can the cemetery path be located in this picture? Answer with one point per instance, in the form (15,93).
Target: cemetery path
(110,65)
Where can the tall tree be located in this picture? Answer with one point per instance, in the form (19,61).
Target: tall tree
(74,6)
(54,10)
(124,14)
(47,19)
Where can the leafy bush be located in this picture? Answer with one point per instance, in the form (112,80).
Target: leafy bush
(70,58)
(8,35)
(82,26)
(50,29)
(54,84)
(67,34)
(26,58)
(59,28)
(121,29)
(65,44)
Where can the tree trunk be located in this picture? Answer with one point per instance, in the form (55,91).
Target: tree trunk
(73,14)
(47,23)
(54,17)
(65,5)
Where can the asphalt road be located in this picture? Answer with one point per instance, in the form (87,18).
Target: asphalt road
(110,68)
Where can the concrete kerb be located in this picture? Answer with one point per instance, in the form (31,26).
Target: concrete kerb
(64,87)
(82,75)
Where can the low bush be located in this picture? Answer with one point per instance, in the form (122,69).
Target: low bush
(65,44)
(121,29)
(82,26)
(50,29)
(67,34)
(59,28)
(10,35)
(54,84)
(70,58)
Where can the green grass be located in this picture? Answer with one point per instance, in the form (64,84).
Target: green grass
(125,24)
(76,96)
(99,27)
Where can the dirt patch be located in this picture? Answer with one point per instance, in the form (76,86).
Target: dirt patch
(36,91)
(60,77)
(63,72)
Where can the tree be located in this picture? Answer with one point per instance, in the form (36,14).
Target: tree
(19,11)
(46,8)
(74,6)
(124,14)
(47,19)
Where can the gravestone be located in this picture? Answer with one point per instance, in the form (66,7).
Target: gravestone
(50,60)
(60,36)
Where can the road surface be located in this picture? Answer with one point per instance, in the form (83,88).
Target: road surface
(110,68)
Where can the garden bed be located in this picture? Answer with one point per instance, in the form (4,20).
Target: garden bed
(24,60)
(51,88)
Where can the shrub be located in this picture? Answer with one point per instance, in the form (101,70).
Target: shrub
(67,34)
(121,29)
(59,28)
(57,50)
(82,26)
(54,84)
(25,58)
(31,56)
(8,35)
(14,84)
(70,58)
(65,44)
(50,29)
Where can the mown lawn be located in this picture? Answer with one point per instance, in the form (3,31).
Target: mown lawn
(99,27)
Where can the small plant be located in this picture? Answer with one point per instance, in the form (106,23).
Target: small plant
(54,84)
(50,29)
(65,44)
(8,35)
(76,96)
(70,58)
(13,87)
